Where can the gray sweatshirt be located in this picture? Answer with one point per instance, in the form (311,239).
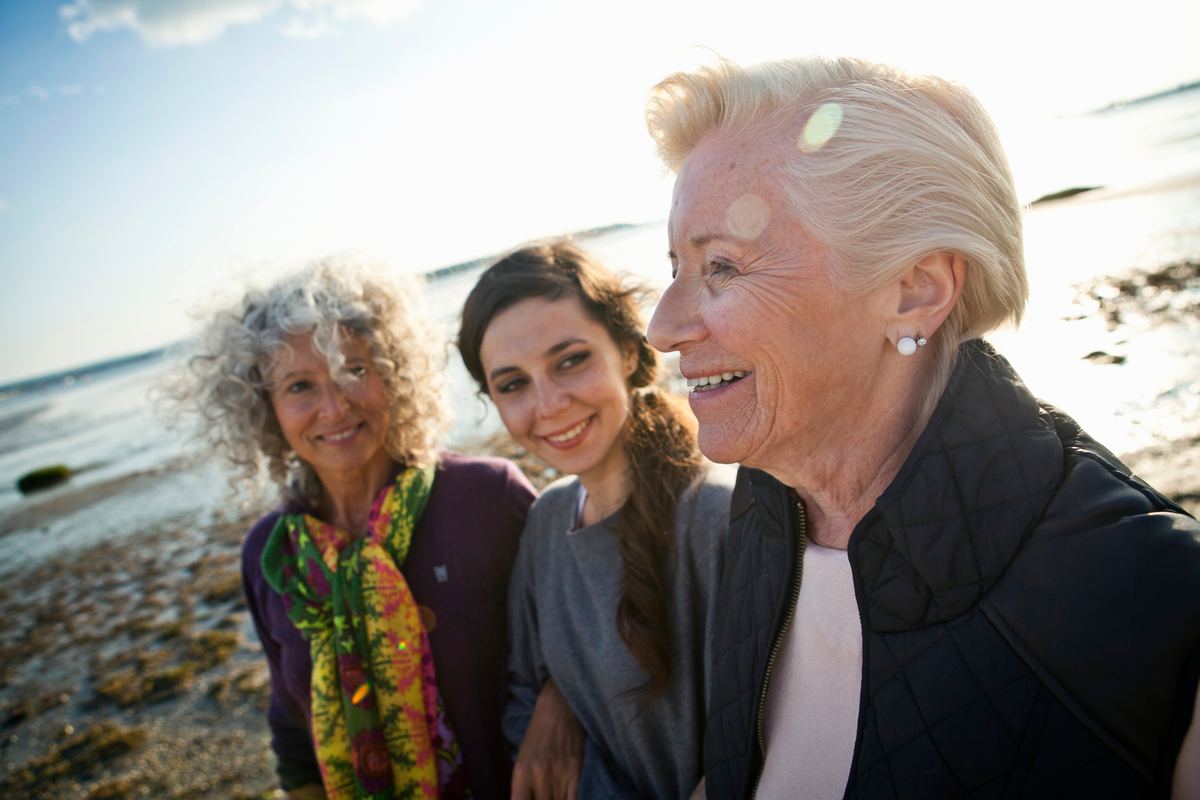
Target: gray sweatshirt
(562,607)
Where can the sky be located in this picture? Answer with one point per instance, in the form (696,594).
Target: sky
(155,154)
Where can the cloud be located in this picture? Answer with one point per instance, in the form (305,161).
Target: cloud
(162,23)
(10,100)
(73,88)
(307,28)
(166,23)
(37,91)
(379,12)
(4,206)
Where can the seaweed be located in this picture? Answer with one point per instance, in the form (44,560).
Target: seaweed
(79,756)
(212,648)
(43,478)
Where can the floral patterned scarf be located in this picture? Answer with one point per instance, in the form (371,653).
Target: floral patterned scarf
(378,724)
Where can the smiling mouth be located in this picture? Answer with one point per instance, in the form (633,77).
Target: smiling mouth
(338,438)
(568,435)
(710,382)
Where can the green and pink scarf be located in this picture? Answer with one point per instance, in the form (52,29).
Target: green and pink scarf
(377,722)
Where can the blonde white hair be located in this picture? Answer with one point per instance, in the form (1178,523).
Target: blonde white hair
(904,166)
(228,380)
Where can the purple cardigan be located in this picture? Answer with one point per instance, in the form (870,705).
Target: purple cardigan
(458,565)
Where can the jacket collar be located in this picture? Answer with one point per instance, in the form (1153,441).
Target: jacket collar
(960,508)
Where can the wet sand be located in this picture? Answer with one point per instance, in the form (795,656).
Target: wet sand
(129,669)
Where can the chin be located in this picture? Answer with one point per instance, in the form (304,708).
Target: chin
(571,466)
(717,447)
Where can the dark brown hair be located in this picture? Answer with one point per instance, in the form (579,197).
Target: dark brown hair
(660,441)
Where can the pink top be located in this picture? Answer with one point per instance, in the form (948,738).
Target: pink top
(811,718)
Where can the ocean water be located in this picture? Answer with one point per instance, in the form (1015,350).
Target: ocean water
(133,472)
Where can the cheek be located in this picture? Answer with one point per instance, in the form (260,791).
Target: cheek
(729,331)
(379,406)
(607,387)
(372,400)
(514,415)
(290,420)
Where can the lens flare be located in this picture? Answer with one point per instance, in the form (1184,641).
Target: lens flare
(820,128)
(748,216)
(360,694)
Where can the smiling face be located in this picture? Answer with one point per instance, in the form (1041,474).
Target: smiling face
(336,427)
(561,385)
(752,297)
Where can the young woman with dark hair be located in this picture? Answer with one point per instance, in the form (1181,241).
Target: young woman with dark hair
(610,596)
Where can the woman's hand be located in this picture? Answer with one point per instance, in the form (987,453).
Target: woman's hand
(698,792)
(551,755)
(311,792)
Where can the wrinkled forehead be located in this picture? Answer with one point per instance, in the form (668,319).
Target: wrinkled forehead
(730,184)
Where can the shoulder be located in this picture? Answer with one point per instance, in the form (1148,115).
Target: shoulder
(485,477)
(488,469)
(256,540)
(542,541)
(1109,575)
(1099,493)
(714,483)
(705,503)
(1119,536)
(559,500)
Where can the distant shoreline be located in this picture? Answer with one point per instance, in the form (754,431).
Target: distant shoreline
(77,374)
(68,377)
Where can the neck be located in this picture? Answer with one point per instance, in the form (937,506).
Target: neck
(607,491)
(842,472)
(347,496)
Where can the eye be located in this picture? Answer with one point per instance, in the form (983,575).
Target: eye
(720,274)
(574,360)
(357,370)
(510,386)
(298,387)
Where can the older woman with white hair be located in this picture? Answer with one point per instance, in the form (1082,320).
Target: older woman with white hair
(378,586)
(936,585)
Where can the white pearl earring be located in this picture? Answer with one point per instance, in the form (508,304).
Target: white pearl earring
(907,346)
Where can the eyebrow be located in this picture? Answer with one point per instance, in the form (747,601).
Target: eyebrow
(550,351)
(697,241)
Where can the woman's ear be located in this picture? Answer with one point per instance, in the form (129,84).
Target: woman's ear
(631,357)
(926,294)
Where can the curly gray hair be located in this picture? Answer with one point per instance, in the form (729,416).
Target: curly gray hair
(227,381)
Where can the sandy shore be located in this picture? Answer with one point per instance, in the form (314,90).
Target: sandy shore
(130,668)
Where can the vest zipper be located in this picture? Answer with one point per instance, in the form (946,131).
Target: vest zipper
(787,620)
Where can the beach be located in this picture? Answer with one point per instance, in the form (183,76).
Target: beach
(128,664)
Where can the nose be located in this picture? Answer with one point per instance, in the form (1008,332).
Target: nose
(333,402)
(677,321)
(551,399)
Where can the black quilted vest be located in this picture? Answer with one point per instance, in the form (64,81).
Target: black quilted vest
(1030,611)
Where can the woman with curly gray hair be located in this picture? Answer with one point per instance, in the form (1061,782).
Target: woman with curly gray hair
(379,595)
